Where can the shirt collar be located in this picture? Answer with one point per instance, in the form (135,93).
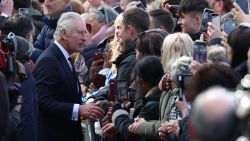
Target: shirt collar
(65,53)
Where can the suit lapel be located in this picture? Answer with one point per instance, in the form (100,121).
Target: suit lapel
(64,64)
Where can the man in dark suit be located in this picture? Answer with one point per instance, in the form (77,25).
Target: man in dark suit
(58,89)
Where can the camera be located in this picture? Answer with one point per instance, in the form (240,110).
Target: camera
(7,54)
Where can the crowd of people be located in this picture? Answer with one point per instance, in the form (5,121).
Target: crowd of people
(124,70)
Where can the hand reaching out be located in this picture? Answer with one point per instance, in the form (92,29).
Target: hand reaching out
(91,111)
(109,130)
(213,32)
(168,127)
(133,128)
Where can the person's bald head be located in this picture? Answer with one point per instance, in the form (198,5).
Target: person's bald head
(213,116)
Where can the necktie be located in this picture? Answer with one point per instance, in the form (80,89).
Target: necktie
(74,73)
(72,65)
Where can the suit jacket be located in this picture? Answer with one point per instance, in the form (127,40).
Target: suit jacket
(57,93)
(4,108)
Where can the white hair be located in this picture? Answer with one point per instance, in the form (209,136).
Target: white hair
(66,22)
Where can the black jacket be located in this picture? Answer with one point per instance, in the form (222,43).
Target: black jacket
(4,108)
(125,63)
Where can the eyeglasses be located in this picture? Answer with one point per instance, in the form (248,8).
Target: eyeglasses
(89,27)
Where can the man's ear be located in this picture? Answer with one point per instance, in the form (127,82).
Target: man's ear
(197,19)
(63,34)
(131,30)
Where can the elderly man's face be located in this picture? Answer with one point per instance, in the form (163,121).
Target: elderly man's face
(54,7)
(76,37)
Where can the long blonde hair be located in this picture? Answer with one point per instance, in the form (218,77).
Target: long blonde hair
(174,46)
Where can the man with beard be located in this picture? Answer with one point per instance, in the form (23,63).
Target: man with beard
(134,21)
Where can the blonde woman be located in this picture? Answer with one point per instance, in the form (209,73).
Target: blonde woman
(174,46)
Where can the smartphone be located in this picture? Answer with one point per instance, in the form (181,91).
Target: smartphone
(112,90)
(229,25)
(24,11)
(182,81)
(216,20)
(206,17)
(200,51)
(122,90)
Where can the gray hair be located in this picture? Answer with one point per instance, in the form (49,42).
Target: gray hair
(181,66)
(106,15)
(65,22)
(217,54)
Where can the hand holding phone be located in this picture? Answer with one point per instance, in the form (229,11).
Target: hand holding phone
(183,81)
(213,32)
(122,90)
(112,90)
(206,17)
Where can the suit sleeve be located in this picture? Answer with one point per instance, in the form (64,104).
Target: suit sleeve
(4,108)
(47,76)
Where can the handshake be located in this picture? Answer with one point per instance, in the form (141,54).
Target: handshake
(91,112)
(94,111)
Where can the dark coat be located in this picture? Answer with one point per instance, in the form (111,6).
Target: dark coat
(184,135)
(88,53)
(45,38)
(241,69)
(4,108)
(125,63)
(28,129)
(57,93)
